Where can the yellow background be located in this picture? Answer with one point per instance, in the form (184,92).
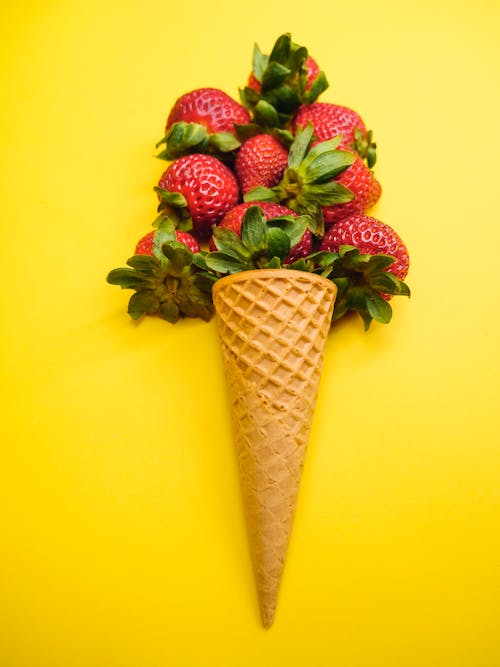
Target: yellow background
(122,540)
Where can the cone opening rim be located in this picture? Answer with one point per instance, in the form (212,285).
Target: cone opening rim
(263,274)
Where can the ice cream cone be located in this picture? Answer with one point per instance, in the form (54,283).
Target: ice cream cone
(273,326)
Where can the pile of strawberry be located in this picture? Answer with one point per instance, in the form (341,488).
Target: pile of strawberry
(275,180)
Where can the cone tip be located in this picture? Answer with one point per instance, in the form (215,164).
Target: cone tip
(267,617)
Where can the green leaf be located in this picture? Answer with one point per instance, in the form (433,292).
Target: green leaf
(318,86)
(198,260)
(328,194)
(169,311)
(183,138)
(144,263)
(346,250)
(342,284)
(298,58)
(228,242)
(274,263)
(322,147)
(300,145)
(259,63)
(325,165)
(249,97)
(126,278)
(278,243)
(143,303)
(224,142)
(294,228)
(174,199)
(323,258)
(281,49)
(179,255)
(379,263)
(265,114)
(164,233)
(385,282)
(404,290)
(204,281)
(274,75)
(284,136)
(285,99)
(254,230)
(379,309)
(300,265)
(371,156)
(261,193)
(224,263)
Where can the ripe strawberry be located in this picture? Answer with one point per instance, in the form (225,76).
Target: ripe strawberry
(209,188)
(312,182)
(210,107)
(233,219)
(370,237)
(370,262)
(366,189)
(312,71)
(329,120)
(260,161)
(145,244)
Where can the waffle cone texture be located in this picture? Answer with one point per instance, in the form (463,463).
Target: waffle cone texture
(273,325)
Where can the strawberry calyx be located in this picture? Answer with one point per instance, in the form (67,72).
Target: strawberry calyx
(167,283)
(308,183)
(174,282)
(173,207)
(284,85)
(362,281)
(364,146)
(244,132)
(184,138)
(261,244)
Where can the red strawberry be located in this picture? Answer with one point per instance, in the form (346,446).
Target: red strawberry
(208,186)
(210,107)
(312,72)
(331,120)
(260,161)
(370,264)
(360,180)
(233,219)
(370,237)
(145,244)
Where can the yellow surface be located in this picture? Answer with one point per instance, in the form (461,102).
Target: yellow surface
(122,542)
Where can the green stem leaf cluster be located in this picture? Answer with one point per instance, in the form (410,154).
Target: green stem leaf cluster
(283,84)
(308,183)
(168,283)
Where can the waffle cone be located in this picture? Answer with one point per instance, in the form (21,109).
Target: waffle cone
(273,326)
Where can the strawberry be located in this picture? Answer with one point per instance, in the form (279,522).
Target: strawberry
(331,120)
(369,236)
(203,121)
(312,181)
(207,189)
(312,71)
(234,218)
(210,107)
(370,262)
(260,161)
(145,244)
(366,189)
